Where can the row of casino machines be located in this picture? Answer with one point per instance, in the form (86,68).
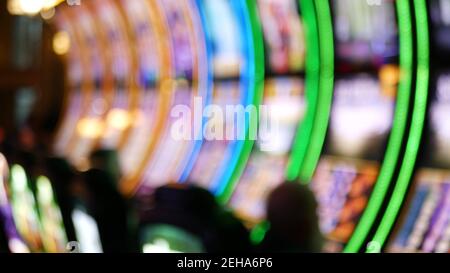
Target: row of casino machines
(361,93)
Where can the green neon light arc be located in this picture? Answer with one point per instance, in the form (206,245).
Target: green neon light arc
(397,133)
(418,120)
(259,73)
(325,95)
(303,134)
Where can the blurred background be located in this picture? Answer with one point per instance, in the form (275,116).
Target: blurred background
(359,161)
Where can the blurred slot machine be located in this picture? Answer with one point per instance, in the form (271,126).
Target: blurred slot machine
(15,242)
(36,213)
(424,223)
(145,36)
(177,140)
(224,30)
(285,107)
(113,33)
(24,209)
(425,226)
(54,237)
(153,75)
(362,114)
(76,80)
(99,89)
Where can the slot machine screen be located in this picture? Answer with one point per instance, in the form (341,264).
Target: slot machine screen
(426,225)
(282,110)
(224,93)
(222,20)
(113,32)
(91,124)
(283,35)
(440,18)
(174,146)
(265,168)
(224,26)
(133,152)
(74,100)
(365,35)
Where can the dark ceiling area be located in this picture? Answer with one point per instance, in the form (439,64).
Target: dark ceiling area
(31,74)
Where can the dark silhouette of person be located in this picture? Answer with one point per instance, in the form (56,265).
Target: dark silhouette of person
(196,211)
(109,209)
(106,204)
(291,214)
(62,175)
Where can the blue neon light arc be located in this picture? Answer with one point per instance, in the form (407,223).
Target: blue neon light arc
(247,81)
(198,5)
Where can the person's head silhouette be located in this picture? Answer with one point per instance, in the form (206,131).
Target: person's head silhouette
(291,213)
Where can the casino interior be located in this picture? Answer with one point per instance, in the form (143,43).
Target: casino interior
(165,125)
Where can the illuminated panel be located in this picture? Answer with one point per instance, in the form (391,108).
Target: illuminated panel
(211,155)
(361,120)
(366,37)
(207,68)
(144,35)
(361,117)
(24,209)
(224,30)
(131,182)
(342,188)
(284,106)
(426,224)
(202,89)
(266,166)
(15,242)
(53,234)
(440,128)
(74,99)
(91,126)
(226,59)
(283,34)
(86,230)
(169,239)
(113,34)
(178,138)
